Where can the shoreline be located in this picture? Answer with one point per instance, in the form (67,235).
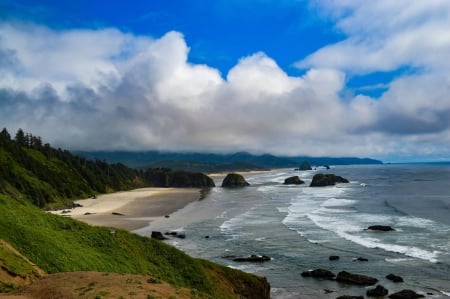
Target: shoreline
(131,210)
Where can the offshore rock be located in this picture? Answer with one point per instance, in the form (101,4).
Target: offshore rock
(319,273)
(406,294)
(252,258)
(322,180)
(304,166)
(383,228)
(158,236)
(234,180)
(293,180)
(378,291)
(394,278)
(333,257)
(358,279)
(350,297)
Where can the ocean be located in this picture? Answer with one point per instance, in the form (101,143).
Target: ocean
(299,227)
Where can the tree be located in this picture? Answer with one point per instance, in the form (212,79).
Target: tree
(20,138)
(4,136)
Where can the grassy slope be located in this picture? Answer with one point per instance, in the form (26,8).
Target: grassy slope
(58,244)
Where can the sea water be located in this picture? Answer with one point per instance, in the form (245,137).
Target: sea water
(299,227)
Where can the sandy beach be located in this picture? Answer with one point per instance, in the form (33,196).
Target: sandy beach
(133,209)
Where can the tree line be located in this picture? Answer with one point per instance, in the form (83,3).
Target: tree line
(49,177)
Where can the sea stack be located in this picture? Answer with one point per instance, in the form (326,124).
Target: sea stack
(234,180)
(322,180)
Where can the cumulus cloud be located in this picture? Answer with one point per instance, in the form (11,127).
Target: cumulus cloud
(106,89)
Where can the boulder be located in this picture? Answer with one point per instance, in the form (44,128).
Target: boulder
(406,294)
(394,278)
(319,273)
(293,180)
(383,228)
(347,277)
(234,180)
(158,236)
(252,258)
(333,257)
(176,234)
(322,180)
(378,291)
(350,297)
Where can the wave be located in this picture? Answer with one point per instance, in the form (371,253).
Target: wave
(353,230)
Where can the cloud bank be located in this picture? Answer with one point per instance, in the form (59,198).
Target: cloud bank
(106,89)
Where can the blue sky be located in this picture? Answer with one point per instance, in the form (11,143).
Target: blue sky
(288,77)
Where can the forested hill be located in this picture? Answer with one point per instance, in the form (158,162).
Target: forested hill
(208,162)
(51,177)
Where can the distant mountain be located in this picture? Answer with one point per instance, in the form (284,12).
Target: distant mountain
(208,162)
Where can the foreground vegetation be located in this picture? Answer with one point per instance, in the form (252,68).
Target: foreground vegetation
(33,175)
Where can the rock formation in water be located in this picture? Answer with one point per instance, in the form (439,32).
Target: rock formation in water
(322,180)
(293,180)
(234,180)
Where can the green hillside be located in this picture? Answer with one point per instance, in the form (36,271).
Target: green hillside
(33,175)
(51,177)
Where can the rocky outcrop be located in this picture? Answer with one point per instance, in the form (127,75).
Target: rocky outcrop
(293,180)
(304,166)
(158,236)
(161,177)
(333,257)
(319,273)
(358,279)
(394,278)
(252,258)
(378,291)
(176,234)
(322,180)
(382,228)
(234,180)
(406,294)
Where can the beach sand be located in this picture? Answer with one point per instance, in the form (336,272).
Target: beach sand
(131,210)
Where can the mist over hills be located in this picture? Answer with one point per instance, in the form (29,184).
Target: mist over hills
(209,162)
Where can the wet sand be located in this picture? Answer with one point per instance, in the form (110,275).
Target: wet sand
(133,209)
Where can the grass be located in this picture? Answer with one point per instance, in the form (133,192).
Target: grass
(61,244)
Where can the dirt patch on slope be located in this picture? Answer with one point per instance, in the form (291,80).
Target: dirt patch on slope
(98,285)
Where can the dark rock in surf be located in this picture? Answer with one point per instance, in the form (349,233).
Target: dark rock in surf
(378,291)
(394,278)
(319,273)
(252,258)
(350,297)
(406,294)
(322,180)
(347,277)
(234,180)
(158,236)
(360,259)
(333,257)
(304,166)
(382,228)
(293,180)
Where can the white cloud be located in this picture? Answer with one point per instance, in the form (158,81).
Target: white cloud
(105,89)
(385,35)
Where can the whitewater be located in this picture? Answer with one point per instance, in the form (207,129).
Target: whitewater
(299,227)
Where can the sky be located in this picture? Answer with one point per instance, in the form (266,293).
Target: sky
(286,77)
